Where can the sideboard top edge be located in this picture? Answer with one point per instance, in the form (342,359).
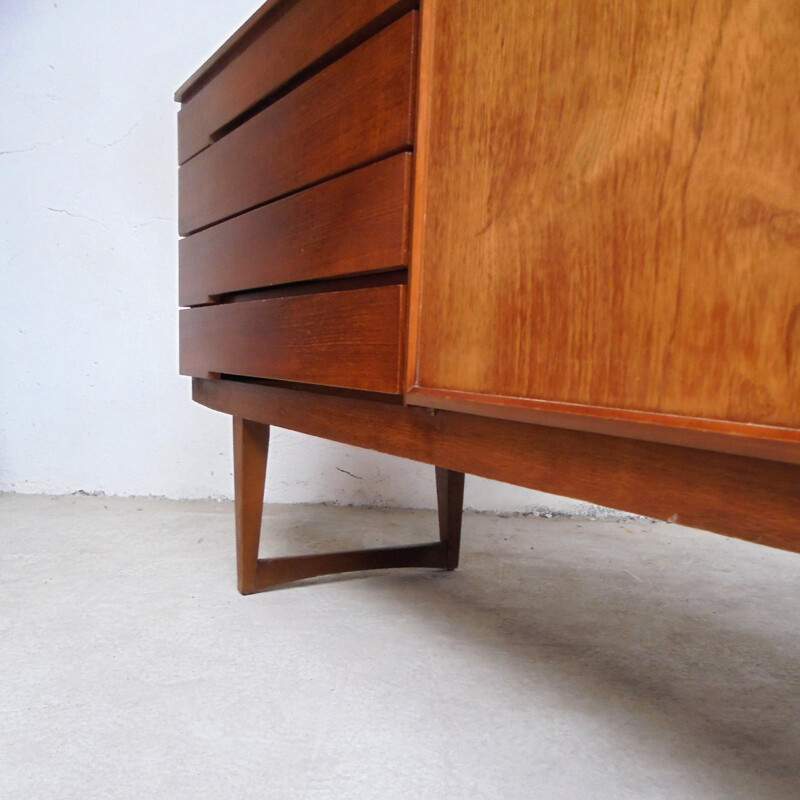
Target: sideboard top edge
(228,49)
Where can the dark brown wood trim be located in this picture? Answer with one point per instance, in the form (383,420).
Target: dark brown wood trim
(272,572)
(348,226)
(357,111)
(350,283)
(267,15)
(450,500)
(250,448)
(350,339)
(237,41)
(740,496)
(759,441)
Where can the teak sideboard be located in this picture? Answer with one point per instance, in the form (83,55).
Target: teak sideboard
(554,244)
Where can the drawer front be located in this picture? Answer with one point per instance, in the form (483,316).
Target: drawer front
(349,339)
(352,224)
(357,110)
(279,42)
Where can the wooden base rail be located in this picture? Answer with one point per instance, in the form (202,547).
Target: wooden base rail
(250,448)
(750,498)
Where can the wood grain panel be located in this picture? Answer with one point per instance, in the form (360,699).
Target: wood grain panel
(281,40)
(355,223)
(350,339)
(615,187)
(733,495)
(355,111)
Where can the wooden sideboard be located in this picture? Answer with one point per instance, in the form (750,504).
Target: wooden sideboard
(559,249)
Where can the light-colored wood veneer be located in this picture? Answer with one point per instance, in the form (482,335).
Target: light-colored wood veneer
(608,212)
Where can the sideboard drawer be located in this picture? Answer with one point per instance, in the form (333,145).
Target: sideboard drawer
(283,40)
(349,339)
(355,223)
(356,111)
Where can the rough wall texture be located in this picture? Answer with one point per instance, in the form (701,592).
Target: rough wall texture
(90,398)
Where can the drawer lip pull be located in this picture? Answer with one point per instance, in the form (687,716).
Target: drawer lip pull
(356,223)
(281,46)
(358,110)
(349,339)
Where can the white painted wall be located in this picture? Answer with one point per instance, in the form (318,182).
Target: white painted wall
(90,398)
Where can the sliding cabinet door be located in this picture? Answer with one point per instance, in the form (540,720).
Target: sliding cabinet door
(607,217)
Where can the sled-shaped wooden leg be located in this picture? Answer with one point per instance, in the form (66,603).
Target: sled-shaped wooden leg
(250,448)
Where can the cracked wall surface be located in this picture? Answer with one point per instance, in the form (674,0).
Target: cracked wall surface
(90,397)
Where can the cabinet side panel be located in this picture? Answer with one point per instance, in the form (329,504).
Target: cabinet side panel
(611,197)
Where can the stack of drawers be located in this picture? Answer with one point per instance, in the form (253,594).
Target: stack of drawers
(295,147)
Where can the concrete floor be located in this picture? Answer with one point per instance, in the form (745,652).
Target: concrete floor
(566,659)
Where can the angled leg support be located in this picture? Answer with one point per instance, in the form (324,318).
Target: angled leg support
(250,447)
(450,499)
